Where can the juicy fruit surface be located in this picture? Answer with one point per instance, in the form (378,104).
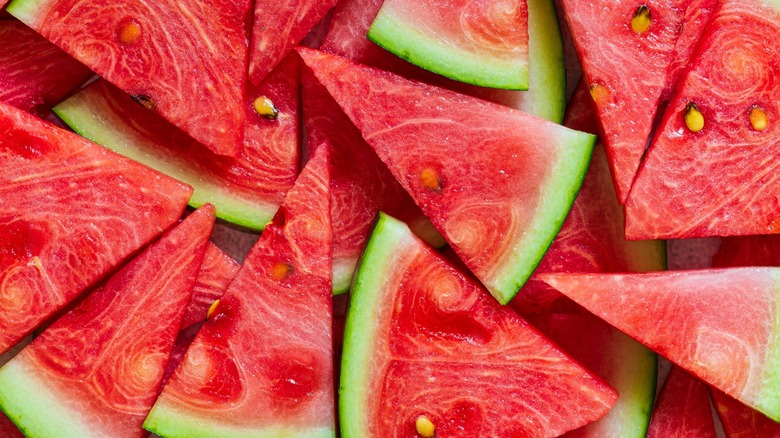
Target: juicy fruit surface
(71,211)
(96,370)
(682,409)
(722,325)
(186,60)
(216,273)
(422,339)
(739,421)
(232,383)
(34,73)
(698,14)
(723,179)
(479,42)
(626,91)
(481,189)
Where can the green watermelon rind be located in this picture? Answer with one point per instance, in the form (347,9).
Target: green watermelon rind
(397,36)
(768,400)
(247,214)
(26,10)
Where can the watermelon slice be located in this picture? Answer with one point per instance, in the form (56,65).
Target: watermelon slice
(187,61)
(683,408)
(34,73)
(625,47)
(425,344)
(216,273)
(278,27)
(721,325)
(622,362)
(254,369)
(247,191)
(483,43)
(739,421)
(721,180)
(498,189)
(361,185)
(748,251)
(96,370)
(71,211)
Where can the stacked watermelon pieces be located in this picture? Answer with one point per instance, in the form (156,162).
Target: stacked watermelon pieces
(495,240)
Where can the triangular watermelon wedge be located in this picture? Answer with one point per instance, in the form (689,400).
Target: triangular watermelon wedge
(712,169)
(497,183)
(216,272)
(262,364)
(739,421)
(682,408)
(187,61)
(722,325)
(70,211)
(96,370)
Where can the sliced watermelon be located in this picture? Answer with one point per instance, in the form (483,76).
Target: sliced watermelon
(34,73)
(483,43)
(278,27)
(216,272)
(71,211)
(247,191)
(625,364)
(424,343)
(361,184)
(255,369)
(683,408)
(739,421)
(186,60)
(722,325)
(498,189)
(625,47)
(721,180)
(748,251)
(96,370)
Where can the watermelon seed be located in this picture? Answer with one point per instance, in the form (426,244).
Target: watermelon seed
(144,100)
(599,93)
(281,270)
(130,32)
(265,107)
(694,119)
(425,427)
(758,118)
(212,309)
(430,179)
(641,20)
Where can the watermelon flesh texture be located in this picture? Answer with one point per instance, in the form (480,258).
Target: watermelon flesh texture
(247,190)
(719,324)
(682,409)
(722,180)
(96,370)
(623,363)
(254,369)
(71,211)
(748,251)
(34,73)
(424,340)
(501,210)
(482,43)
(216,273)
(592,238)
(626,71)
(8,429)
(278,27)
(187,61)
(739,421)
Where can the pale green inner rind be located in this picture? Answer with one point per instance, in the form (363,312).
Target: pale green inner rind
(361,328)
(768,400)
(171,423)
(26,10)
(556,196)
(35,410)
(342,275)
(432,53)
(105,131)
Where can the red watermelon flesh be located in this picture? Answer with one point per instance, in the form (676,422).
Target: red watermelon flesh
(722,180)
(592,238)
(96,370)
(625,70)
(34,73)
(361,184)
(187,61)
(278,27)
(183,341)
(216,272)
(254,368)
(8,429)
(71,211)
(739,421)
(748,251)
(682,409)
(719,324)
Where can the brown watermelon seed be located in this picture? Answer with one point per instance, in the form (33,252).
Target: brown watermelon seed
(281,270)
(144,100)
(425,427)
(694,119)
(758,118)
(212,309)
(265,107)
(129,33)
(430,179)
(641,20)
